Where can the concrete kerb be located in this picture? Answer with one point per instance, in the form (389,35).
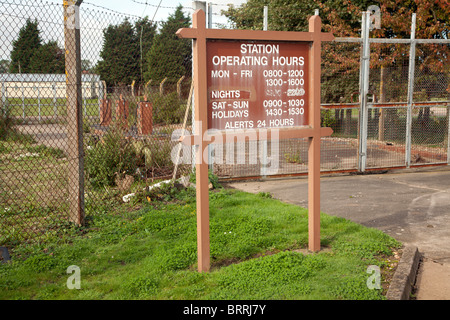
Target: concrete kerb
(405,275)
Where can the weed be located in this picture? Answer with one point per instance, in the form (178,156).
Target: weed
(142,286)
(212,178)
(6,124)
(293,157)
(267,195)
(40,263)
(167,109)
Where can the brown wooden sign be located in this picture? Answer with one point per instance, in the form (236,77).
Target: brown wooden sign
(257,84)
(217,55)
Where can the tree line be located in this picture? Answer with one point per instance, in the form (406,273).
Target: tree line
(343,19)
(130,52)
(141,53)
(340,72)
(31,55)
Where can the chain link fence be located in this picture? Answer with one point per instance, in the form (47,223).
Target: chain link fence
(135,91)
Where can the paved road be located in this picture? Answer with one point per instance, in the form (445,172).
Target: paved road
(51,135)
(413,206)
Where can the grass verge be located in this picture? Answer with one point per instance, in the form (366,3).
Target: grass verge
(147,250)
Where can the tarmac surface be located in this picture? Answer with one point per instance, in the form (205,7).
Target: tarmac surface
(411,205)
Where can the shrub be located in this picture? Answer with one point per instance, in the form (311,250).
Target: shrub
(111,155)
(167,109)
(154,153)
(327,120)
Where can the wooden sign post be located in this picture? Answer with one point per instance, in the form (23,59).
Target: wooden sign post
(258,80)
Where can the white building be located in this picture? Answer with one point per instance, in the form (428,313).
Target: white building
(41,86)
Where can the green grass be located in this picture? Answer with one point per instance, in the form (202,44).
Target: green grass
(48,107)
(28,167)
(147,250)
(33,190)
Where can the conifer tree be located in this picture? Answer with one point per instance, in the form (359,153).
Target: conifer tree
(121,52)
(48,58)
(170,56)
(24,47)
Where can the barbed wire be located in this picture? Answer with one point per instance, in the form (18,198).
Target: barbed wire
(33,4)
(98,8)
(111,10)
(155,6)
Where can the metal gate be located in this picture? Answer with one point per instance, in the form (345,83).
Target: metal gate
(385,113)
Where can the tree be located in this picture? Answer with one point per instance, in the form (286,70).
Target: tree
(432,60)
(24,46)
(341,61)
(169,55)
(120,63)
(29,55)
(292,15)
(282,16)
(48,58)
(119,53)
(343,19)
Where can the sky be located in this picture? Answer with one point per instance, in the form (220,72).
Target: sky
(150,7)
(157,9)
(13,15)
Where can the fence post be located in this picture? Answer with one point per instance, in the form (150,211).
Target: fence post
(84,105)
(179,87)
(74,112)
(4,100)
(100,94)
(364,89)
(382,99)
(210,14)
(55,110)
(161,86)
(266,18)
(448,134)
(23,103)
(263,143)
(211,147)
(412,64)
(39,101)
